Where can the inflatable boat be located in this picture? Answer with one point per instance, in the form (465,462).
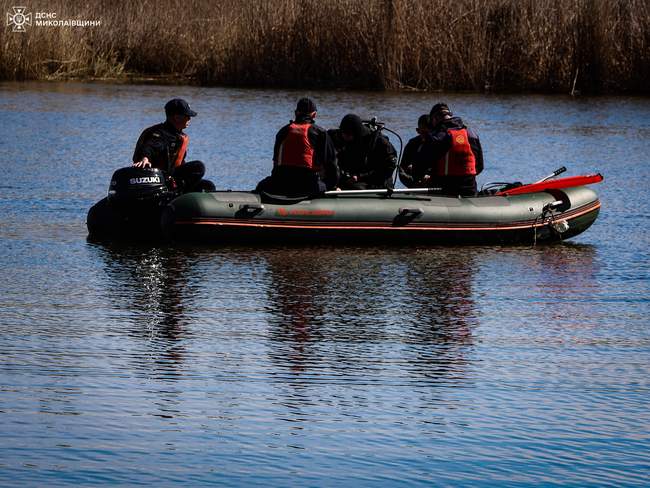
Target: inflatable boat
(542,212)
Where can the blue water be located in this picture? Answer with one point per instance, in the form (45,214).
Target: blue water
(318,366)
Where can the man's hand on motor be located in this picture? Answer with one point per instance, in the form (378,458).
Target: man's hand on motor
(145,163)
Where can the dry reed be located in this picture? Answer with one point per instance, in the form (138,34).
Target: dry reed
(512,45)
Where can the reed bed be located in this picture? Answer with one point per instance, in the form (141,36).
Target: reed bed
(594,46)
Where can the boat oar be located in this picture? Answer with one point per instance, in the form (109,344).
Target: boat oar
(382,191)
(558,171)
(567,182)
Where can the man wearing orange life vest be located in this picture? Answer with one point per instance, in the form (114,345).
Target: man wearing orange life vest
(304,158)
(453,153)
(164,146)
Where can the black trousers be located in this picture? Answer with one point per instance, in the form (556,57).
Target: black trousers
(457,185)
(375,181)
(291,181)
(189,177)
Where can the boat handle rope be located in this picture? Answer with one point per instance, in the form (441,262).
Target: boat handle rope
(547,213)
(410,211)
(251,209)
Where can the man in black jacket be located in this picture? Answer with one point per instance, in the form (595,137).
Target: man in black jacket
(412,169)
(366,157)
(164,146)
(304,159)
(453,153)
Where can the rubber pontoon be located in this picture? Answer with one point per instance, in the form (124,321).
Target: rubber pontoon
(403,218)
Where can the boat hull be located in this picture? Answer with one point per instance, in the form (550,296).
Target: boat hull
(105,222)
(406,218)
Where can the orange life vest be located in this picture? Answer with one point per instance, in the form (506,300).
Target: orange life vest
(459,160)
(296,149)
(180,156)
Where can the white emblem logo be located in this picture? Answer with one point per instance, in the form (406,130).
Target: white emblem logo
(144,179)
(19,19)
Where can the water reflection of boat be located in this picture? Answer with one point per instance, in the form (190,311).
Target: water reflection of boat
(148,286)
(337,312)
(554,284)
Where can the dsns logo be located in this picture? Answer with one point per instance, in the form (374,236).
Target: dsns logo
(18,19)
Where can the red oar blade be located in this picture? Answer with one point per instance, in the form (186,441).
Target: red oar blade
(567,182)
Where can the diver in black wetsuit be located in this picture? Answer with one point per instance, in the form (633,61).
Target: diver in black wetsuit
(366,157)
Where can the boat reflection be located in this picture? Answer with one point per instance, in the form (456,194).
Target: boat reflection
(550,274)
(149,285)
(332,307)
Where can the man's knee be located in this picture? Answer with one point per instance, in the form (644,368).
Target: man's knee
(195,168)
(205,186)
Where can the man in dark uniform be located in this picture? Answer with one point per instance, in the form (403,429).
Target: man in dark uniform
(412,169)
(164,146)
(453,152)
(304,158)
(366,157)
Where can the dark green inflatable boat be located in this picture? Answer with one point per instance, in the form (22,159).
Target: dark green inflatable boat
(140,205)
(399,217)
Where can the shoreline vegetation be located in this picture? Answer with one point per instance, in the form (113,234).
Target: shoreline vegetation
(553,46)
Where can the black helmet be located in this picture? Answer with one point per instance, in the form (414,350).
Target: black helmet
(440,109)
(352,124)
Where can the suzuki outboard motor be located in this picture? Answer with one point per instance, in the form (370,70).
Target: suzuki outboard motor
(136,197)
(135,189)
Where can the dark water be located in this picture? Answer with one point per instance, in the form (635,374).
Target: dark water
(318,366)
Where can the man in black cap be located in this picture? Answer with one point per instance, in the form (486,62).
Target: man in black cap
(304,158)
(453,152)
(366,157)
(164,146)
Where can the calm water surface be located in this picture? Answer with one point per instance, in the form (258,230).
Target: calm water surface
(318,366)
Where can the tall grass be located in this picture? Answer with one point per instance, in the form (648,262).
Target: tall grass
(512,45)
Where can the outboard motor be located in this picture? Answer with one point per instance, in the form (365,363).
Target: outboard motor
(137,189)
(132,209)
